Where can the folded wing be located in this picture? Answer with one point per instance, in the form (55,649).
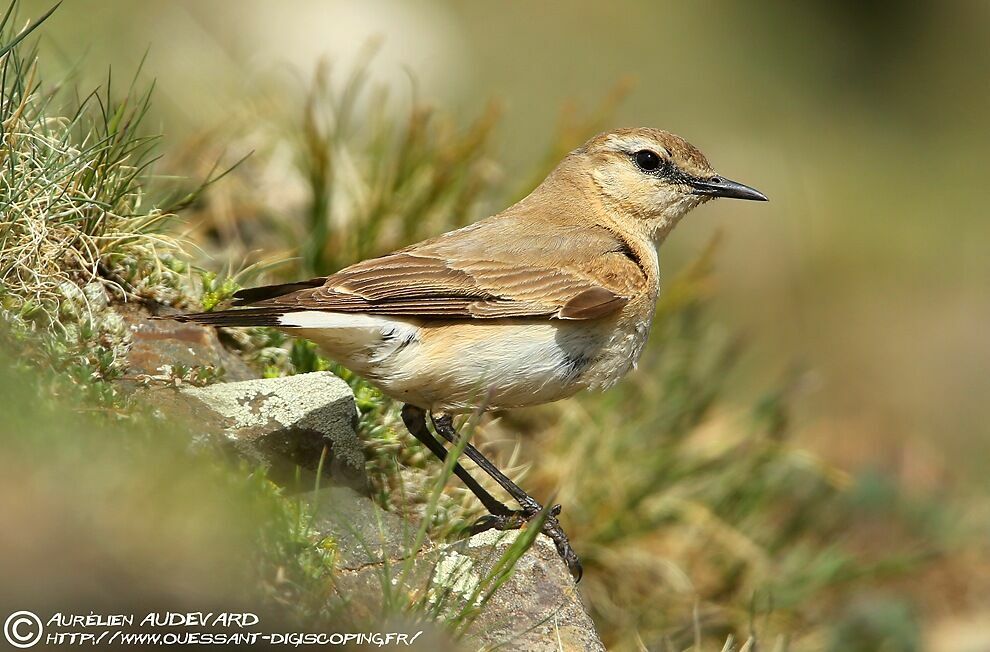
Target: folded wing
(415,284)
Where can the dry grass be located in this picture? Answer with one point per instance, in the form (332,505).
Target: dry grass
(73,195)
(340,171)
(84,223)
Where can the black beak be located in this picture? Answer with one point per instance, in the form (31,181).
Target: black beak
(720,187)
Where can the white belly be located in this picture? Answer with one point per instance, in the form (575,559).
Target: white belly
(461,366)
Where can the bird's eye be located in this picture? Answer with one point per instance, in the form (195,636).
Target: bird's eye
(647,161)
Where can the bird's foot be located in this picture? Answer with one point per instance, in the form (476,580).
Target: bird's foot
(519,519)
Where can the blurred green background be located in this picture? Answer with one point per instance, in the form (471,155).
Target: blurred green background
(865,123)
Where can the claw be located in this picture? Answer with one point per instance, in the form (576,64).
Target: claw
(485,523)
(551,528)
(511,521)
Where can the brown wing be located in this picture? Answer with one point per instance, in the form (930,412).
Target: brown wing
(423,284)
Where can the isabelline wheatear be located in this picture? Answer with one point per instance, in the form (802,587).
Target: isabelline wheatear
(553,295)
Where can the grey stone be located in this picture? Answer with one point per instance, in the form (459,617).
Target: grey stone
(537,609)
(285,422)
(282,424)
(363,533)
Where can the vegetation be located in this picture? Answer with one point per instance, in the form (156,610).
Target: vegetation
(84,223)
(77,243)
(698,520)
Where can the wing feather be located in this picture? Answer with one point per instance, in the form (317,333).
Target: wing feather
(473,273)
(430,286)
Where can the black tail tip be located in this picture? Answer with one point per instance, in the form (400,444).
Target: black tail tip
(246,317)
(177,317)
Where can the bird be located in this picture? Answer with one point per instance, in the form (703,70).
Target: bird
(553,295)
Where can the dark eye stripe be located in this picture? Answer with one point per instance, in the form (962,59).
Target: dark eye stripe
(653,164)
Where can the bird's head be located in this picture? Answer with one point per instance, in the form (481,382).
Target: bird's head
(651,178)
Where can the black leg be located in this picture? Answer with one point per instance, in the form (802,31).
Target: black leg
(444,425)
(415,420)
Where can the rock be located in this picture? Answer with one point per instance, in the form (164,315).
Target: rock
(538,608)
(364,534)
(280,423)
(162,344)
(284,423)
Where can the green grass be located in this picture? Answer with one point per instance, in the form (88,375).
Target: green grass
(75,199)
(85,222)
(77,228)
